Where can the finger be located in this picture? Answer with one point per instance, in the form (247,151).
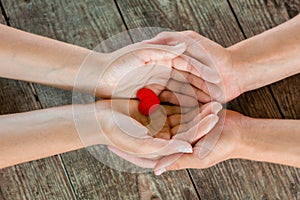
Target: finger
(211,108)
(187,89)
(207,73)
(175,162)
(141,162)
(184,63)
(178,119)
(207,144)
(151,52)
(173,146)
(172,110)
(183,161)
(190,38)
(159,147)
(132,137)
(178,99)
(193,35)
(156,88)
(206,109)
(167,38)
(196,129)
(207,87)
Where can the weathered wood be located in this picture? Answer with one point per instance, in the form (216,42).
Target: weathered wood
(2,21)
(64,20)
(258,16)
(42,179)
(236,179)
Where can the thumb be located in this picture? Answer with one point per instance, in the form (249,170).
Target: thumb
(172,162)
(159,147)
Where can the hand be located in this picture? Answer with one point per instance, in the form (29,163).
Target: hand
(205,154)
(123,72)
(217,59)
(189,125)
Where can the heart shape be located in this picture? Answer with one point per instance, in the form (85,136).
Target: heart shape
(149,101)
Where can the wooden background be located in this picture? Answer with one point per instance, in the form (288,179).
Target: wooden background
(77,175)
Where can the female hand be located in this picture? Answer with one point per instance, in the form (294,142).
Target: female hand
(205,153)
(217,59)
(125,128)
(122,73)
(117,74)
(189,125)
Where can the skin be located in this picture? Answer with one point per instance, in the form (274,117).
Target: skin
(46,61)
(42,133)
(242,67)
(265,140)
(51,131)
(239,135)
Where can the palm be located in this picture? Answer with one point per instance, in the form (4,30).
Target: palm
(217,59)
(213,151)
(135,66)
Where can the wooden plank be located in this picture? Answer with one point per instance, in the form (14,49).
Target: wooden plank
(2,21)
(258,16)
(42,179)
(64,20)
(235,179)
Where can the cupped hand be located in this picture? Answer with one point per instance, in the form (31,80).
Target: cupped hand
(180,124)
(206,152)
(123,72)
(124,127)
(217,59)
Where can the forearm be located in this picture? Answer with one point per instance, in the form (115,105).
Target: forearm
(39,134)
(33,58)
(271,140)
(270,56)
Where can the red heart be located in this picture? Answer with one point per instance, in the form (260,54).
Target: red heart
(149,101)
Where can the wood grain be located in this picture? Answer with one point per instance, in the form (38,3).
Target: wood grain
(42,179)
(87,23)
(2,21)
(235,179)
(258,16)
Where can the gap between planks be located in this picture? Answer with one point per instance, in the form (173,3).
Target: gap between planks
(245,37)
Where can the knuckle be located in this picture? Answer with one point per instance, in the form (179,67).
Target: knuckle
(191,32)
(164,34)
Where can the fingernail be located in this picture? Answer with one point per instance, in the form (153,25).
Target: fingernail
(217,107)
(160,171)
(186,150)
(213,122)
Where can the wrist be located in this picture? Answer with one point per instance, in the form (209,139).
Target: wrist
(89,73)
(241,67)
(242,124)
(248,143)
(90,121)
